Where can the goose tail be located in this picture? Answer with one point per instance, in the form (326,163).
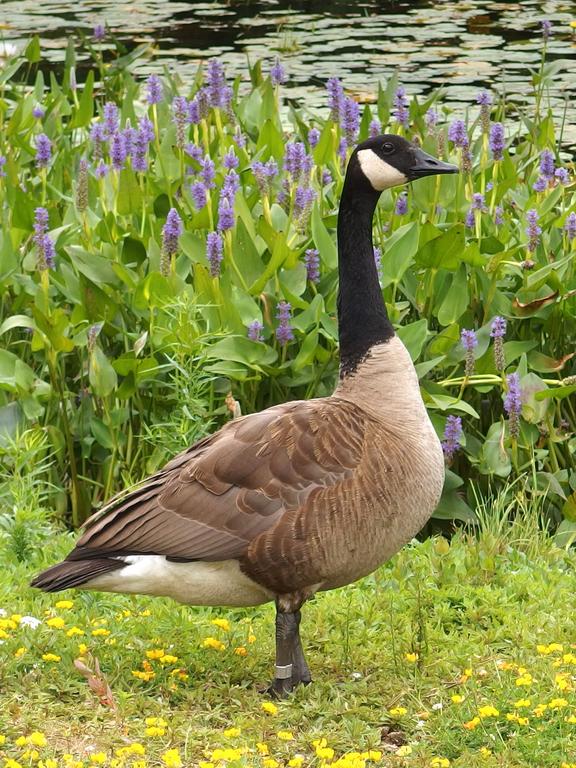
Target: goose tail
(73,573)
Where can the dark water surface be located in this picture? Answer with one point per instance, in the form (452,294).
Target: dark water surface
(461,46)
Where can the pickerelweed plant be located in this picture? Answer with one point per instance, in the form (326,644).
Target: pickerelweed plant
(147,224)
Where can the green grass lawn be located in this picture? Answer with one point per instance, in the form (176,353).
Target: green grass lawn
(456,654)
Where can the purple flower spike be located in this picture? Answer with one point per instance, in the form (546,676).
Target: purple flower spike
(43,150)
(230,186)
(497,141)
(140,151)
(208,172)
(350,120)
(401,204)
(110,118)
(452,435)
(546,27)
(303,200)
(570,226)
(43,243)
(469,342)
(547,167)
(225,214)
(400,110)
(230,160)
(378,259)
(431,119)
(215,83)
(478,202)
(562,175)
(484,98)
(457,134)
(326,177)
(335,98)
(154,90)
(264,174)
(533,230)
(312,262)
(284,332)
(38,112)
(118,151)
(170,235)
(214,252)
(195,152)
(198,192)
(180,118)
(255,331)
(99,33)
(375,128)
(513,403)
(469,219)
(313,137)
(541,184)
(499,215)
(2,164)
(101,170)
(497,332)
(277,73)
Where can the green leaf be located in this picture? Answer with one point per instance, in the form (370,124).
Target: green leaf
(83,115)
(101,374)
(242,350)
(456,300)
(33,52)
(495,457)
(129,194)
(307,351)
(323,241)
(400,251)
(444,250)
(558,393)
(414,335)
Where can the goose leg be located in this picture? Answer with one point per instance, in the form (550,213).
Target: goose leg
(291,667)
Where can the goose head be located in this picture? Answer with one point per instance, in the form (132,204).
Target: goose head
(389,160)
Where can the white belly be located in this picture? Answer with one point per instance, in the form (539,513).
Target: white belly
(199,583)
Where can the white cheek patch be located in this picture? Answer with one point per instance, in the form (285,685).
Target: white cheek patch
(379,173)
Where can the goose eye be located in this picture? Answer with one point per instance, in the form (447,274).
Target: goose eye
(387,148)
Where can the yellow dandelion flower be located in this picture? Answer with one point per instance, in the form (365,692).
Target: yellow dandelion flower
(212,642)
(159,721)
(19,652)
(269,708)
(232,733)
(570,719)
(139,764)
(262,748)
(319,742)
(240,651)
(573,24)
(397,711)
(20,741)
(146,675)
(37,739)
(155,653)
(562,681)
(374,755)
(439,762)
(524,679)
(51,657)
(251,639)
(539,710)
(269,762)
(457,699)
(171,759)
(147,612)
(74,631)
(98,758)
(485,752)
(131,749)
(56,622)
(100,632)
(64,604)
(222,624)
(324,753)
(205,764)
(557,704)
(471,724)
(522,703)
(296,761)
(487,711)
(225,755)
(10,763)
(82,649)
(48,763)
(168,659)
(522,721)
(2,739)
(404,750)
(411,658)
(153,731)
(285,735)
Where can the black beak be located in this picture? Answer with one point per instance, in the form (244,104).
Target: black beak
(426,165)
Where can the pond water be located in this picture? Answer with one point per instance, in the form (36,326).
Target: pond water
(461,46)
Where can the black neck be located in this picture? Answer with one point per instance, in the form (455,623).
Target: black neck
(362,317)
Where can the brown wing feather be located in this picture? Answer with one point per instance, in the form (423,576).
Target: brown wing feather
(215,499)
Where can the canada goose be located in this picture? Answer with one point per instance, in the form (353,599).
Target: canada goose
(305,496)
